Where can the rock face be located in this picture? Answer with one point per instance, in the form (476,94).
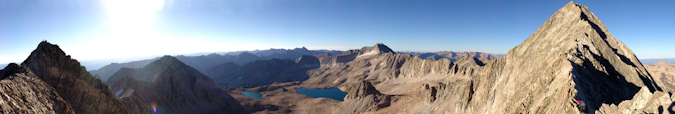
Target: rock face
(263,72)
(363,97)
(23,92)
(178,88)
(72,82)
(572,56)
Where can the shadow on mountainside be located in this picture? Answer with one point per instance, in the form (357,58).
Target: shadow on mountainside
(648,82)
(596,87)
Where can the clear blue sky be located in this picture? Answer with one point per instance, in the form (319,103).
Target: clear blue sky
(125,28)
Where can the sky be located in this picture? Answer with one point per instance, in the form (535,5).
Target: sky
(107,29)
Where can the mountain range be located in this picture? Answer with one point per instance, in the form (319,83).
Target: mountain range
(570,64)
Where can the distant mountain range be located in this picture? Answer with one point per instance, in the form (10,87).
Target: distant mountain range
(204,62)
(201,63)
(652,61)
(571,64)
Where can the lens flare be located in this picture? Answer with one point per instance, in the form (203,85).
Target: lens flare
(153,104)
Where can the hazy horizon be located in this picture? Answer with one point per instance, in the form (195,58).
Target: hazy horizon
(111,29)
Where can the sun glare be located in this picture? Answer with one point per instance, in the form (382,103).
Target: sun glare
(132,6)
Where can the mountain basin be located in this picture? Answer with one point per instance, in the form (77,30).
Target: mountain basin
(252,95)
(333,93)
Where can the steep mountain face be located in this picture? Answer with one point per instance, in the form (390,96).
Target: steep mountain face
(23,92)
(263,72)
(73,83)
(571,57)
(179,88)
(454,56)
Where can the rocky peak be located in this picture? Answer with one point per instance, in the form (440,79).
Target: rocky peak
(72,81)
(48,55)
(303,49)
(307,59)
(363,97)
(10,69)
(572,56)
(380,47)
(362,89)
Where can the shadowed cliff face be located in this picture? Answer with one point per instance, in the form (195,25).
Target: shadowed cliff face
(73,83)
(178,88)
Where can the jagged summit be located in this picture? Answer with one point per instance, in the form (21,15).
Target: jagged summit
(381,48)
(572,56)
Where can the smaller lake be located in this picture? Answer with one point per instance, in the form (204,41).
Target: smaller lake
(252,95)
(333,93)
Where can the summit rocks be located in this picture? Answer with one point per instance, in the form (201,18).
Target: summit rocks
(73,83)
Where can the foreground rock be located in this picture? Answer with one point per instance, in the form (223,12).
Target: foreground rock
(177,88)
(23,92)
(643,102)
(363,97)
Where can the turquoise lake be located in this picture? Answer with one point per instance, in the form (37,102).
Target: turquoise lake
(252,95)
(333,93)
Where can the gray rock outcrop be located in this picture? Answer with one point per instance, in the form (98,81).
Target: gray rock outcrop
(363,97)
